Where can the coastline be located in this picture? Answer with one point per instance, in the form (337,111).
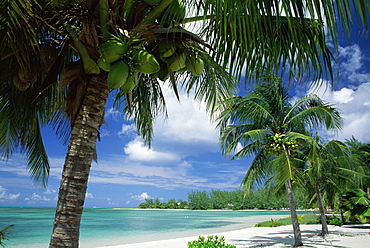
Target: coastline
(273,237)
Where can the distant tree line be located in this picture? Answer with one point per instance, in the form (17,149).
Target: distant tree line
(222,199)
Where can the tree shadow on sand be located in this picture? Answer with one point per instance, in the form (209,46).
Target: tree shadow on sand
(285,239)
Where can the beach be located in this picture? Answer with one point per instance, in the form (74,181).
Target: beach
(123,228)
(274,237)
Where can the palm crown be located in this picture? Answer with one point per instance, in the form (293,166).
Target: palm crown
(55,58)
(269,127)
(44,42)
(265,125)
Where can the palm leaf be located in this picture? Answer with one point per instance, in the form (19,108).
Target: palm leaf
(314,113)
(147,103)
(248,35)
(257,172)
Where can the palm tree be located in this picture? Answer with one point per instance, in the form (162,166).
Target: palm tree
(50,51)
(362,152)
(268,127)
(330,169)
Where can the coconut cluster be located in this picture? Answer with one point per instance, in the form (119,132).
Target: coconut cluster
(278,142)
(126,58)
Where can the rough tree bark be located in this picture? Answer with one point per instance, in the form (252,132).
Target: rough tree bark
(324,224)
(81,152)
(293,214)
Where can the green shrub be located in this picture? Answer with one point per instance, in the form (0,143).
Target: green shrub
(310,219)
(210,242)
(335,222)
(303,219)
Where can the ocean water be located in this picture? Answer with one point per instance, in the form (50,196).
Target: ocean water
(102,227)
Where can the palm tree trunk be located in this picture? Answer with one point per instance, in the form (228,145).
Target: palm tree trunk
(293,214)
(81,152)
(342,217)
(324,224)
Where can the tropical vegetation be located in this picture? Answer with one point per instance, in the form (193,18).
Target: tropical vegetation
(303,219)
(272,130)
(212,241)
(60,60)
(356,206)
(330,169)
(260,199)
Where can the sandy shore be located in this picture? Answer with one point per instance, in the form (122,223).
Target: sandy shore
(274,237)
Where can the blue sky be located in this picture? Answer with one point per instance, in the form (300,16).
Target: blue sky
(184,155)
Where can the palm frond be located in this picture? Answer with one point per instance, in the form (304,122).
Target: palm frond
(213,87)
(23,115)
(147,103)
(314,113)
(257,172)
(276,33)
(17,26)
(285,168)
(244,136)
(267,33)
(251,109)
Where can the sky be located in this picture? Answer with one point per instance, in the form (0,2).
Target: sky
(184,155)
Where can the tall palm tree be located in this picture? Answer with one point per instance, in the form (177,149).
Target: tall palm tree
(268,127)
(330,169)
(55,60)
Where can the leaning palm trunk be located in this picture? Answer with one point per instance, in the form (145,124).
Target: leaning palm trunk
(81,152)
(293,214)
(324,224)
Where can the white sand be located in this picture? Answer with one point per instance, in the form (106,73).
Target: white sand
(274,237)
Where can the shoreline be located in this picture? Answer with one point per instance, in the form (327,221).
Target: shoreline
(273,237)
(193,234)
(241,210)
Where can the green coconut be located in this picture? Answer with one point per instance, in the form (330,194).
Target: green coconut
(112,50)
(118,74)
(104,65)
(195,66)
(176,62)
(145,62)
(130,83)
(166,48)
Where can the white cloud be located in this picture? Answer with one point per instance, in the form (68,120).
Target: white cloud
(127,130)
(50,191)
(188,120)
(351,64)
(173,176)
(113,204)
(354,102)
(13,196)
(125,171)
(89,195)
(36,198)
(113,113)
(141,197)
(355,110)
(6,196)
(137,151)
(188,130)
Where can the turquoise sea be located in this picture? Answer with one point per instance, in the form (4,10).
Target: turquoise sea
(102,227)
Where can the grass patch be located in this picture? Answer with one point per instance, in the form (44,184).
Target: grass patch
(302,219)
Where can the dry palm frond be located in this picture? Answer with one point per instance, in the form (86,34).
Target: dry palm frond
(75,95)
(48,55)
(71,72)
(89,35)
(27,75)
(19,84)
